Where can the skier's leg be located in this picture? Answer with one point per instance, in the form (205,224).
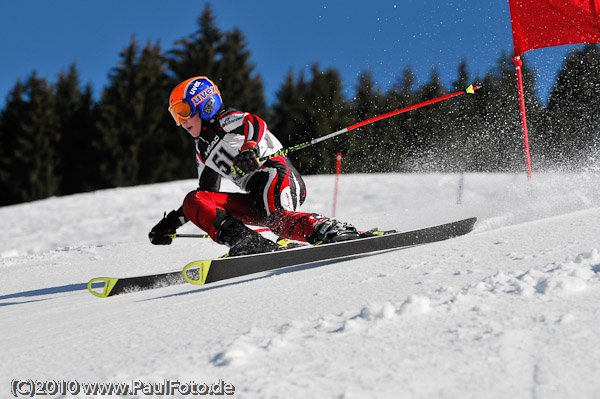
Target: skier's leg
(202,208)
(222,216)
(277,185)
(310,227)
(281,189)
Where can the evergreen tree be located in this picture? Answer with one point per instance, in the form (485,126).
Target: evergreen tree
(133,120)
(497,130)
(239,88)
(77,149)
(572,121)
(365,151)
(287,121)
(10,128)
(320,110)
(223,58)
(395,129)
(459,145)
(424,141)
(197,55)
(30,134)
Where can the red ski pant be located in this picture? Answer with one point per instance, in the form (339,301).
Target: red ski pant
(200,207)
(275,192)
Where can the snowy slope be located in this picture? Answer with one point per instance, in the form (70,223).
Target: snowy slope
(509,311)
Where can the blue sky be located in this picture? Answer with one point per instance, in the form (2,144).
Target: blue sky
(351,36)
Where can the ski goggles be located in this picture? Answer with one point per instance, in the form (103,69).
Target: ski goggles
(181,109)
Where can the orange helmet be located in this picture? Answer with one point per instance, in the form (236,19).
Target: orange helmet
(195,95)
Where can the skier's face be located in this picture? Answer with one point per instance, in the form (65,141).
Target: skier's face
(193,125)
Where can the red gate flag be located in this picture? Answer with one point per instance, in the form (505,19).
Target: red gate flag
(545,23)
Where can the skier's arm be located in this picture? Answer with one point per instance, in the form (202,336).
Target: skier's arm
(254,130)
(209,180)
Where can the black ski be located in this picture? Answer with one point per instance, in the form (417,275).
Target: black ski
(208,271)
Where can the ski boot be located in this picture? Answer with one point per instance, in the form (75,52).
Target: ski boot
(327,231)
(240,239)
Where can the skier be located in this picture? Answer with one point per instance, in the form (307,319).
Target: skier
(229,144)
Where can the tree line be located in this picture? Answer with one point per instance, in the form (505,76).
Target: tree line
(55,139)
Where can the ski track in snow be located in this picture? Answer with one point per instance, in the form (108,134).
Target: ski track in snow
(509,310)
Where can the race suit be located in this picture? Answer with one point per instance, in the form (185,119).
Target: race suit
(271,195)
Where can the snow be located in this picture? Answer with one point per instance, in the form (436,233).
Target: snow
(510,310)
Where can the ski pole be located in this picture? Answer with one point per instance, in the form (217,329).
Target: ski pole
(191,235)
(177,235)
(470,90)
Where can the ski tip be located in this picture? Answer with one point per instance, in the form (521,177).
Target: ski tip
(470,222)
(107,285)
(471,89)
(196,272)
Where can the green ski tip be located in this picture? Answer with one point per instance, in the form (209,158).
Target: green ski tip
(109,284)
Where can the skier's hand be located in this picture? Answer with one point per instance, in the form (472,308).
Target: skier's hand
(246,161)
(164,232)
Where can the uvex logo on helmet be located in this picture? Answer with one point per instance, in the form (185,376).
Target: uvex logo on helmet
(203,95)
(195,87)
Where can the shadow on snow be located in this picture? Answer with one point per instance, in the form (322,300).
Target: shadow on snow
(41,292)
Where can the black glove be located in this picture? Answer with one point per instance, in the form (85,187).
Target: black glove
(246,161)
(164,232)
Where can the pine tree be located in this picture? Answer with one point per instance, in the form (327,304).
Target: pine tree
(133,119)
(197,55)
(30,133)
(571,121)
(10,128)
(223,58)
(424,141)
(365,149)
(77,149)
(497,131)
(287,121)
(459,146)
(321,110)
(395,129)
(234,76)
